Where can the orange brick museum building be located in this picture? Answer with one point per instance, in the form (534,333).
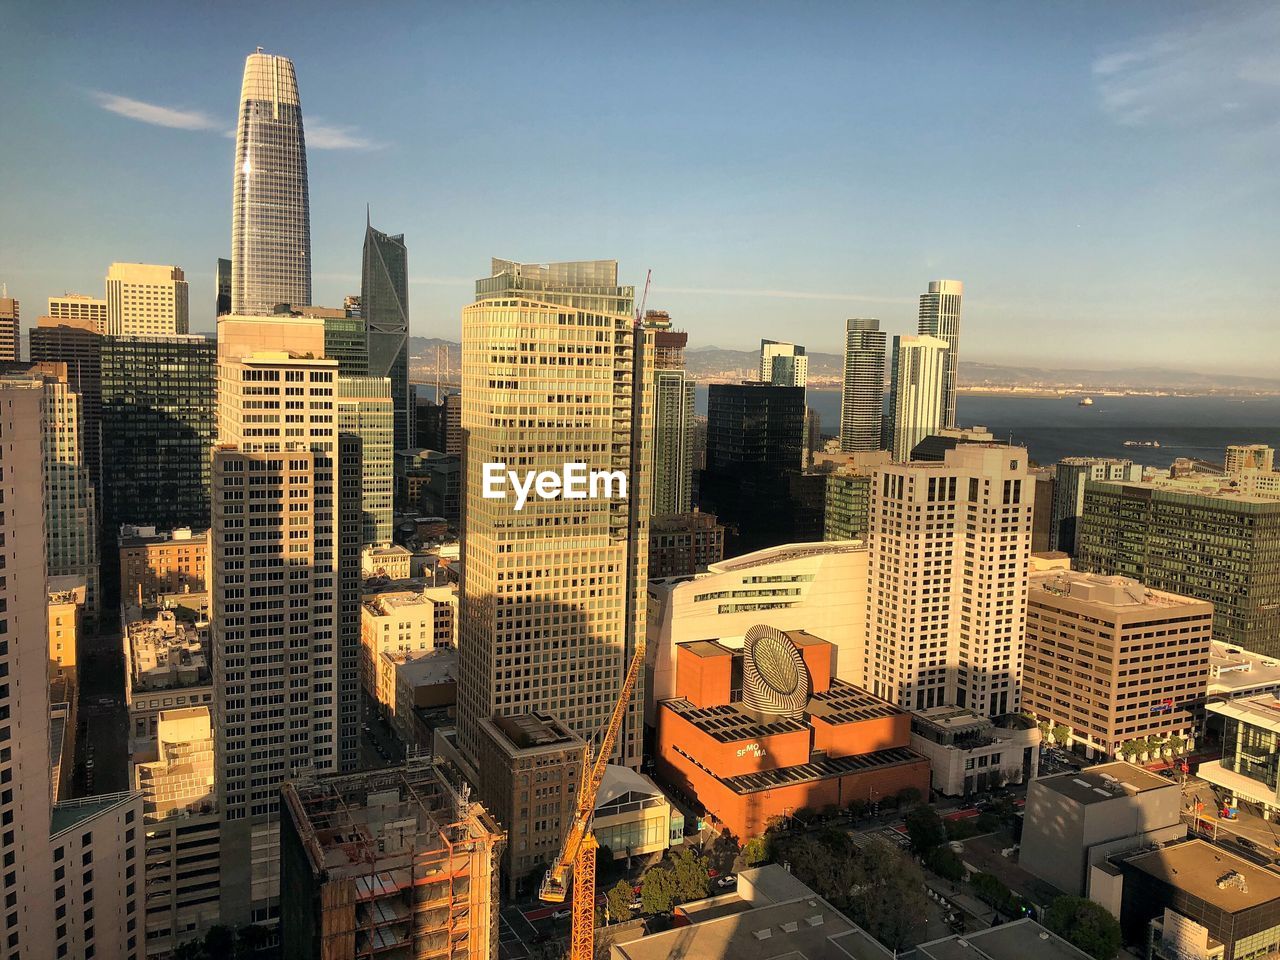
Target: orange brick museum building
(766,731)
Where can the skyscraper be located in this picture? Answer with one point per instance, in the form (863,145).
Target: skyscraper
(783,364)
(276,523)
(1070,475)
(365,410)
(146,300)
(384,304)
(915,393)
(222,280)
(77,343)
(950,547)
(940,317)
(672,419)
(862,402)
(270,211)
(10,328)
(554,371)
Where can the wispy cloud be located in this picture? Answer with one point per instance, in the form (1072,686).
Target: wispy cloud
(321,135)
(330,136)
(1223,66)
(154,113)
(781,294)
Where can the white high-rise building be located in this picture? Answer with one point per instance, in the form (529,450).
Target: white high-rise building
(862,402)
(783,364)
(940,317)
(270,206)
(146,300)
(950,547)
(915,393)
(274,563)
(79,306)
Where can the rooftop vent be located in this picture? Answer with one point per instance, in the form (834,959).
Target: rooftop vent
(764,934)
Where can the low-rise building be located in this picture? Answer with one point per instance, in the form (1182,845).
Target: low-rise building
(1074,821)
(683,544)
(767,731)
(67,597)
(402,622)
(1197,901)
(1237,672)
(424,682)
(1020,940)
(152,563)
(1249,770)
(166,668)
(388,863)
(393,562)
(970,753)
(175,776)
(528,768)
(1113,660)
(633,817)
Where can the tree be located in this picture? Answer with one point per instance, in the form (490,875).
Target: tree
(755,852)
(690,875)
(992,890)
(618,899)
(1085,924)
(909,795)
(658,893)
(887,898)
(925,828)
(1046,731)
(988,822)
(945,863)
(1062,734)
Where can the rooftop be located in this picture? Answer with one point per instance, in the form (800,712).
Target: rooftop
(71,813)
(1211,874)
(167,652)
(788,551)
(528,731)
(845,703)
(1106,781)
(1233,668)
(1010,941)
(1113,593)
(730,722)
(1261,711)
(432,667)
(819,770)
(1212,488)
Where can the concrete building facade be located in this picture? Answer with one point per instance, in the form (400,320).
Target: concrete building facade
(146,300)
(916,400)
(940,317)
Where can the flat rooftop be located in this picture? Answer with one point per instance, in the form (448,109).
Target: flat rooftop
(788,551)
(799,929)
(1261,711)
(820,770)
(1234,668)
(1204,488)
(729,723)
(1107,781)
(1211,874)
(1120,594)
(1019,940)
(845,703)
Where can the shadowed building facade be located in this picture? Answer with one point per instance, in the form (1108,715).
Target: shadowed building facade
(384,304)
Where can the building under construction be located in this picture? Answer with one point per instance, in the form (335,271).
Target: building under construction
(397,864)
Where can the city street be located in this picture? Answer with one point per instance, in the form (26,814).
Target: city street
(102,737)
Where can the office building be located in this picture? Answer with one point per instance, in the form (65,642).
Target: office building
(969,753)
(146,300)
(683,544)
(1249,769)
(1070,475)
(532,637)
(1243,457)
(1197,901)
(421,682)
(1042,519)
(820,587)
(915,393)
(783,364)
(267,468)
(1113,660)
(402,622)
(71,514)
(1075,821)
(270,210)
(429,483)
(531,765)
(347,341)
(222,283)
(846,512)
(66,603)
(862,400)
(790,738)
(755,438)
(174,773)
(166,666)
(935,446)
(154,564)
(1221,545)
(384,306)
(950,545)
(940,318)
(389,863)
(80,308)
(10,328)
(157,424)
(365,411)
(672,419)
(77,343)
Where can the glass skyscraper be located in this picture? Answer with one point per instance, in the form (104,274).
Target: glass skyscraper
(862,402)
(270,214)
(384,303)
(940,317)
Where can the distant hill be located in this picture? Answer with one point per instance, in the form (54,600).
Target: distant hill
(712,363)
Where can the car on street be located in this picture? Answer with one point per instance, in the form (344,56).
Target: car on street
(564,913)
(727,881)
(1246,843)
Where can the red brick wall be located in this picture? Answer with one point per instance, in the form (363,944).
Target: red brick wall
(703,681)
(736,757)
(818,658)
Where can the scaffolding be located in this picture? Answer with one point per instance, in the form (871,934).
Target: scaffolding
(404,865)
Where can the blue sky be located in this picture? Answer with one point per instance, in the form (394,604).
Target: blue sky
(1102,176)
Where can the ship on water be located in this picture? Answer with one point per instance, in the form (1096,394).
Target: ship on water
(1085,402)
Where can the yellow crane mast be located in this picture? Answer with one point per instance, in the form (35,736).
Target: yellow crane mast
(578,853)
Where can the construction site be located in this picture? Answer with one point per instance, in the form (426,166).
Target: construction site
(398,864)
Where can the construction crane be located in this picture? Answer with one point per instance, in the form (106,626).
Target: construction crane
(578,853)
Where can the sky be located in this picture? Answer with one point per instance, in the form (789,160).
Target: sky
(1102,176)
